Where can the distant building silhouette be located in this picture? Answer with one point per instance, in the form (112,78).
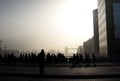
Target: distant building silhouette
(80,50)
(88,46)
(66,51)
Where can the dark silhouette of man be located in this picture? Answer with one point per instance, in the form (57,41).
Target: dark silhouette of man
(41,58)
(93,59)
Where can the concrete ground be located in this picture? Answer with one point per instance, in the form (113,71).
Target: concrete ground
(7,78)
(29,73)
(62,70)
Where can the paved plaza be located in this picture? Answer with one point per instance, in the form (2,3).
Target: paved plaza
(104,70)
(80,72)
(3,78)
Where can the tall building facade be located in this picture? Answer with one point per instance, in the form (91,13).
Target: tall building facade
(109,28)
(96,32)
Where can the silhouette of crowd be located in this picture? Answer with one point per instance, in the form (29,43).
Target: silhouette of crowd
(50,59)
(56,59)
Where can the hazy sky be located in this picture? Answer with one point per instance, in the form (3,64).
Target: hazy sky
(48,24)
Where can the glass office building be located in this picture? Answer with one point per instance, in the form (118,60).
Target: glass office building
(102,28)
(116,15)
(109,28)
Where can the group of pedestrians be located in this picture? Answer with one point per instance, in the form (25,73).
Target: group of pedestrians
(42,59)
(56,59)
(86,59)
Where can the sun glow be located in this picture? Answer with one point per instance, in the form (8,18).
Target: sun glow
(74,19)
